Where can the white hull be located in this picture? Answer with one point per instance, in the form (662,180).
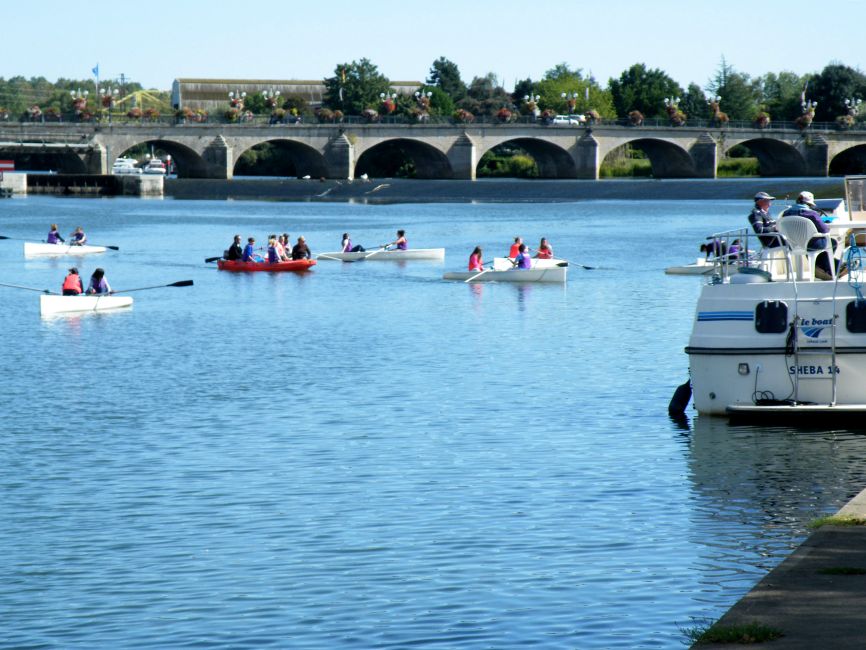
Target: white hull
(33,249)
(550,274)
(50,305)
(732,364)
(380,255)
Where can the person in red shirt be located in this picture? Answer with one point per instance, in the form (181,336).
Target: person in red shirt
(515,247)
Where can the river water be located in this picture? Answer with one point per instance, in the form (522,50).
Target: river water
(365,456)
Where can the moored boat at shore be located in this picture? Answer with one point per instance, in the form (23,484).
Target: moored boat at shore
(41,249)
(769,339)
(249,267)
(50,305)
(391,254)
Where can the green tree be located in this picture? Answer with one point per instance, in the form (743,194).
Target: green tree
(741,97)
(585,92)
(643,89)
(485,96)
(830,88)
(444,74)
(694,103)
(354,87)
(781,93)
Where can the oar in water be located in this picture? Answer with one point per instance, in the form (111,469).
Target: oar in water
(114,248)
(331,257)
(378,250)
(181,283)
(18,286)
(567,263)
(478,275)
(208,260)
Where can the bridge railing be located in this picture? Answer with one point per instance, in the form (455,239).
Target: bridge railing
(492,121)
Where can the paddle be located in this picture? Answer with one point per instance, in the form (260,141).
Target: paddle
(18,286)
(378,250)
(208,260)
(478,275)
(329,257)
(567,262)
(114,248)
(181,283)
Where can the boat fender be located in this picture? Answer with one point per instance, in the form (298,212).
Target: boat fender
(680,400)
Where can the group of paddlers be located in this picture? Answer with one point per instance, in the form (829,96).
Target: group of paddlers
(518,254)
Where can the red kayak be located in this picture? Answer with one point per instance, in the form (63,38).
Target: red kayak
(291,265)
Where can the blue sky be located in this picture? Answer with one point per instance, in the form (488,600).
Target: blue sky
(153,42)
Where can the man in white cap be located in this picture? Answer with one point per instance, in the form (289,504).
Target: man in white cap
(762,223)
(805,207)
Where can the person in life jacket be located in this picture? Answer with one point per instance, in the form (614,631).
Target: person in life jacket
(72,283)
(78,238)
(523,259)
(515,247)
(545,250)
(98,283)
(54,235)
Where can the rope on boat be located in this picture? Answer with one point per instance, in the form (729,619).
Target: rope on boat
(854,261)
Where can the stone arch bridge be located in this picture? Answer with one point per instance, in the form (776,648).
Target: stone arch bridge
(437,150)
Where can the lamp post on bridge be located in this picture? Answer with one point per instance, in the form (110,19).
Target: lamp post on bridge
(271,97)
(672,108)
(571,101)
(108,96)
(853,106)
(531,102)
(79,100)
(389,101)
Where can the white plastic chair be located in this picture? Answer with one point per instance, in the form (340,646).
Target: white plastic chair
(798,232)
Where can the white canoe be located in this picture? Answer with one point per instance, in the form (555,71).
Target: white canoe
(51,304)
(549,274)
(381,254)
(37,249)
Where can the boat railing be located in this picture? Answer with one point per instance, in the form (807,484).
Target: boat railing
(726,263)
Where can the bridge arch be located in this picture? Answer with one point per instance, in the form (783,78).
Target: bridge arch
(775,157)
(404,156)
(849,161)
(187,162)
(43,159)
(667,159)
(552,160)
(280,157)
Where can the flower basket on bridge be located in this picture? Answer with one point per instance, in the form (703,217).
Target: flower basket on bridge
(547,116)
(503,115)
(635,118)
(278,116)
(151,114)
(134,113)
(370,115)
(845,122)
(325,115)
(593,116)
(52,114)
(762,120)
(232,115)
(34,113)
(463,116)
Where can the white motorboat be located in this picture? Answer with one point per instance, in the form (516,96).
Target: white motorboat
(155,166)
(50,305)
(41,249)
(771,339)
(126,166)
(390,254)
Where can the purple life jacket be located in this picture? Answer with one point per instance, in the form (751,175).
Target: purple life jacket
(53,237)
(524,261)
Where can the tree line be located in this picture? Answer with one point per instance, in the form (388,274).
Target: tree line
(358,88)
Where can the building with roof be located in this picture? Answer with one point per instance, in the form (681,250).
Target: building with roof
(212,95)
